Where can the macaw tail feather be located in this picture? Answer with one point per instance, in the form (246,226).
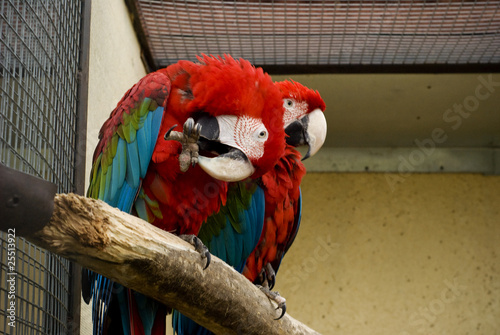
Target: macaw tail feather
(184,326)
(100,290)
(159,325)
(119,310)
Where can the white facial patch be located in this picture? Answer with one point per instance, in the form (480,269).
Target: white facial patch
(293,110)
(245,133)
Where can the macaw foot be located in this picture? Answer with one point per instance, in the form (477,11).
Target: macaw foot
(198,246)
(276,297)
(189,140)
(267,276)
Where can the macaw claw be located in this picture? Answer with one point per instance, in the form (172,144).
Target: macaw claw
(189,140)
(267,276)
(276,297)
(199,247)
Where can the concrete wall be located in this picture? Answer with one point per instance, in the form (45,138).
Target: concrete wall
(420,258)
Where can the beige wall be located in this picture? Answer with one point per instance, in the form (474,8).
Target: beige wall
(421,258)
(114,66)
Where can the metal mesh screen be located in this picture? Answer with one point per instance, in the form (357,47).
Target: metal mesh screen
(39,54)
(324,32)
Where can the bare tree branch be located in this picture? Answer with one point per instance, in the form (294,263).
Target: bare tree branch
(158,264)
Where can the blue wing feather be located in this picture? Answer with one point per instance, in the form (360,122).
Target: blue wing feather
(217,248)
(144,149)
(118,169)
(133,165)
(127,196)
(235,241)
(141,209)
(235,245)
(155,127)
(119,187)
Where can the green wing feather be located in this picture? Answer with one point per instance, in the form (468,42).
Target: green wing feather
(233,232)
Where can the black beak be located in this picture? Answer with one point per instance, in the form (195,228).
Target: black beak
(297,134)
(209,136)
(209,127)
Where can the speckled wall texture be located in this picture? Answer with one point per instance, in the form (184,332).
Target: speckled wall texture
(417,258)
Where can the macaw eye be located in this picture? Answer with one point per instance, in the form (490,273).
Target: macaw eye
(288,103)
(260,134)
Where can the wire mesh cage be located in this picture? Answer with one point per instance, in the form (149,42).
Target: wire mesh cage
(323,32)
(39,55)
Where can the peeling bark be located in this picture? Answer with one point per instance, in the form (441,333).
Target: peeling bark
(158,264)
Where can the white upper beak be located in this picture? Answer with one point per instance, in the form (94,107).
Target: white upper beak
(316,131)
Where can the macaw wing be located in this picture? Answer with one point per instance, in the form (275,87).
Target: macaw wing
(120,162)
(233,232)
(127,141)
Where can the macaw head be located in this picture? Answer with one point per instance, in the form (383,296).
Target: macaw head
(240,112)
(304,120)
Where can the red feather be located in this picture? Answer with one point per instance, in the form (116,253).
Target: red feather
(281,187)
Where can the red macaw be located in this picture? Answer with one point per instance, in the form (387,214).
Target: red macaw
(228,109)
(305,124)
(258,257)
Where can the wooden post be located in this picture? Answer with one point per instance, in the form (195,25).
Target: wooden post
(158,264)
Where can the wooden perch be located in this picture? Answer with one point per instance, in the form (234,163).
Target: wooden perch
(158,264)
